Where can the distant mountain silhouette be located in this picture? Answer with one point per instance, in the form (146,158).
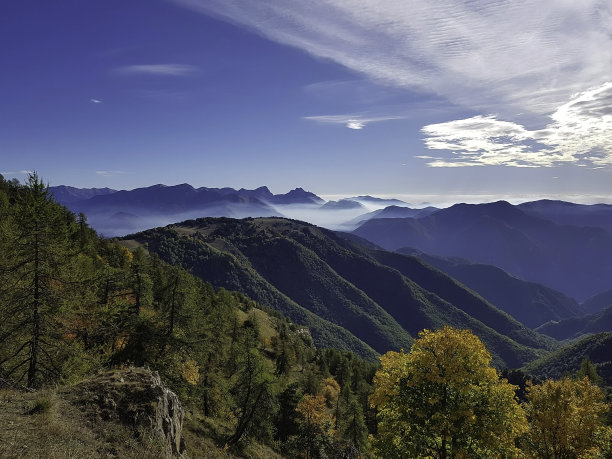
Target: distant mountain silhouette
(530,303)
(342,204)
(394,211)
(576,260)
(568,213)
(161,204)
(68,194)
(378,201)
(296,196)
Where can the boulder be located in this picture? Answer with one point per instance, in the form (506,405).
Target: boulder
(137,398)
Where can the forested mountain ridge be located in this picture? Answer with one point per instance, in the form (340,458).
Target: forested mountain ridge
(573,259)
(575,327)
(530,303)
(338,280)
(597,347)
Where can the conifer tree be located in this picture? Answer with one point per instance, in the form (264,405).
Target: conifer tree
(36,253)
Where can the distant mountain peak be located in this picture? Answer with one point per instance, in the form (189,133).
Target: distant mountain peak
(343,204)
(296,196)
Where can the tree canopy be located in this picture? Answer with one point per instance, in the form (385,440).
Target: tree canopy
(566,420)
(443,399)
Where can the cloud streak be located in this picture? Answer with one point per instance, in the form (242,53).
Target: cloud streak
(580,132)
(356,122)
(109,173)
(21,172)
(157,69)
(502,57)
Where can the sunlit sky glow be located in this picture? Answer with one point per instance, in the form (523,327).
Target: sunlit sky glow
(341,97)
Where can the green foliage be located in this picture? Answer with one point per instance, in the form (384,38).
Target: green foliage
(588,370)
(36,258)
(567,360)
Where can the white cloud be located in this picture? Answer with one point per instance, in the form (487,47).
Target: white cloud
(580,132)
(503,57)
(95,101)
(157,69)
(109,173)
(21,172)
(496,57)
(356,122)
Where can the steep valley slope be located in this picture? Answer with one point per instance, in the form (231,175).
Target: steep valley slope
(351,297)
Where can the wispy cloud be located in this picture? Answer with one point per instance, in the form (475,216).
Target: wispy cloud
(157,69)
(356,122)
(501,57)
(95,101)
(110,173)
(580,132)
(21,172)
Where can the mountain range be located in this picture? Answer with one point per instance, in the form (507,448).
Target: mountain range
(115,212)
(495,268)
(530,303)
(573,259)
(352,297)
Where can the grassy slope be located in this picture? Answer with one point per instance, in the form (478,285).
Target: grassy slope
(60,429)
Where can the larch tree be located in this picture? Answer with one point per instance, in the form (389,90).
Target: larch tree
(443,400)
(36,251)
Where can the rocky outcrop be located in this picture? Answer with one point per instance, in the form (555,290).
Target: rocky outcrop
(135,397)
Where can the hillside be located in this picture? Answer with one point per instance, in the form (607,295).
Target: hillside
(597,302)
(577,326)
(393,211)
(569,213)
(296,267)
(530,303)
(575,260)
(567,360)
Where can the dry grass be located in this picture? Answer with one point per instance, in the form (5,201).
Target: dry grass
(44,425)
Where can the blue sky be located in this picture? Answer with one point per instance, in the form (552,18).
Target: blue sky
(342,97)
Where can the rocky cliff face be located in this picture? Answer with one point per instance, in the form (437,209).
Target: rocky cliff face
(137,398)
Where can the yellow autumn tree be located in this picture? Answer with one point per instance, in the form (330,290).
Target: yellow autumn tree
(315,426)
(443,399)
(566,420)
